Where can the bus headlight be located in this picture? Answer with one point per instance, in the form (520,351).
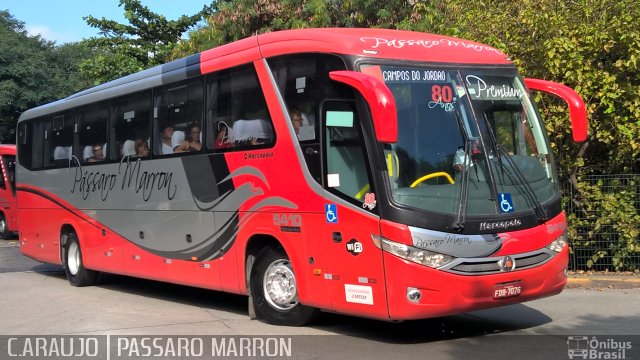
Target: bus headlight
(559,243)
(413,254)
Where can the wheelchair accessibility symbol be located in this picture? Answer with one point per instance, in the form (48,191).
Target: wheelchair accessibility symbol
(506,204)
(331,213)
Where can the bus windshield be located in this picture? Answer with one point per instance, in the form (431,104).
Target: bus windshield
(469,141)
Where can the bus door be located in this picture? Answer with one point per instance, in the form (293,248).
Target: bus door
(7,197)
(355,263)
(8,216)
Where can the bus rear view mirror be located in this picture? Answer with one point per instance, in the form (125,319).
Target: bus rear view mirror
(380,100)
(577,110)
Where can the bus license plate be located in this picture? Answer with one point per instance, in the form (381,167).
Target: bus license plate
(502,291)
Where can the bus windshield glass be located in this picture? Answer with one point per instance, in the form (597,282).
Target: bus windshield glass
(469,141)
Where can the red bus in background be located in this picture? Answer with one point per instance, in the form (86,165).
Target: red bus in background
(379,173)
(8,209)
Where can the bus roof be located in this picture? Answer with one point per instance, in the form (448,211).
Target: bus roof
(373,43)
(381,43)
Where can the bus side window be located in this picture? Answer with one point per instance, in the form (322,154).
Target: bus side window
(26,144)
(92,132)
(131,115)
(237,114)
(61,139)
(303,82)
(177,108)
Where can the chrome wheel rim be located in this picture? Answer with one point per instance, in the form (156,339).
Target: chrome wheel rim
(279,285)
(3,226)
(73,258)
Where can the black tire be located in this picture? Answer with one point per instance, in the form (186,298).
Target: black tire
(4,228)
(282,307)
(74,268)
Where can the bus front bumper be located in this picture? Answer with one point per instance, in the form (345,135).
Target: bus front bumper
(442,293)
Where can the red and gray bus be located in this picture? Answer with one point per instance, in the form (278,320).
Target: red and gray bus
(379,173)
(8,210)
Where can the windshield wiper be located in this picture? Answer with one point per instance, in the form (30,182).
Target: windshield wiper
(458,225)
(529,192)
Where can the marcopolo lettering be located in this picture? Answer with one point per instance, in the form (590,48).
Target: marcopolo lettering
(495,225)
(264,155)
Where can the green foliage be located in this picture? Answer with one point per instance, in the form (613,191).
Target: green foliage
(592,46)
(608,217)
(33,71)
(238,19)
(147,40)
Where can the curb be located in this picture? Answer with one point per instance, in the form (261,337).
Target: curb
(604,282)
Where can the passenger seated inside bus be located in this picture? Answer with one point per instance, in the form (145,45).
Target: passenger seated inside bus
(98,154)
(192,140)
(167,133)
(302,126)
(296,121)
(142,148)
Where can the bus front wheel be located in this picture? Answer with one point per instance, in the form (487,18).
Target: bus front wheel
(74,269)
(274,290)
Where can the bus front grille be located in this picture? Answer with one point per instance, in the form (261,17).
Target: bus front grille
(490,265)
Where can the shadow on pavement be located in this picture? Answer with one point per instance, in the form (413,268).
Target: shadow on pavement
(479,323)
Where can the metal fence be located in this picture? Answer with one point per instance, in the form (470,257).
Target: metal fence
(602,244)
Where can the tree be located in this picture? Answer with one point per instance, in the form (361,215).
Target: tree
(238,19)
(33,71)
(146,41)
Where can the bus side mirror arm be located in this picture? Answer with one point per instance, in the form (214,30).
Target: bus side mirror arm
(380,100)
(577,110)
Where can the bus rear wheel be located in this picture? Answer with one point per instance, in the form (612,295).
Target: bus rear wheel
(74,269)
(274,290)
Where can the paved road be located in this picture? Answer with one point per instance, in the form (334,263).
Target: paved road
(35,299)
